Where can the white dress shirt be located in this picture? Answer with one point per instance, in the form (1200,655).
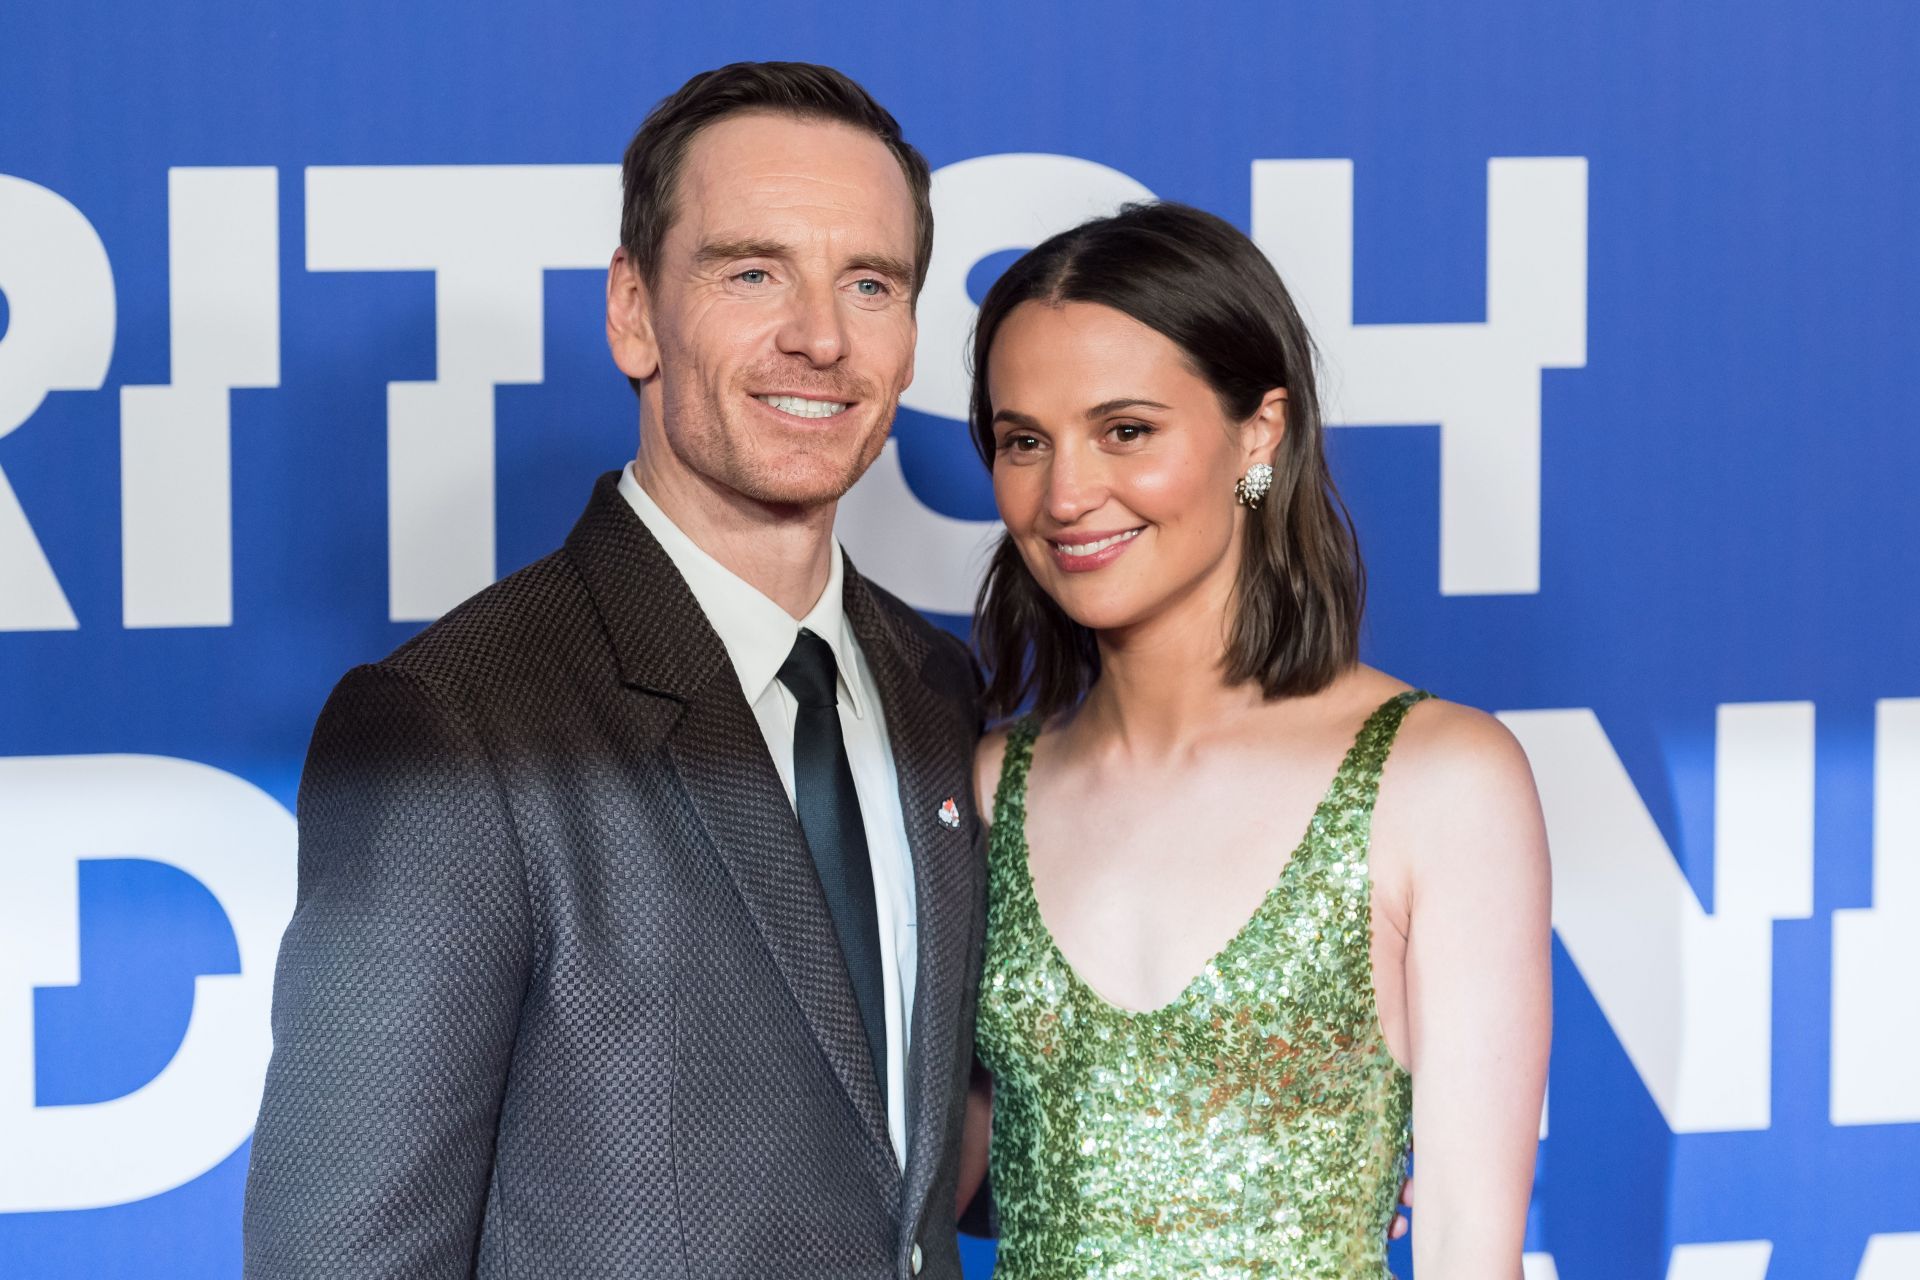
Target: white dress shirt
(758,635)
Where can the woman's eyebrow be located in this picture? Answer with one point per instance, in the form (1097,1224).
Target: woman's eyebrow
(1106,407)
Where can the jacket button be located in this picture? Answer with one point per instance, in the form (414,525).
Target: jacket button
(915,1259)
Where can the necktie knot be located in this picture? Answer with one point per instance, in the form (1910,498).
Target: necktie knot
(809,671)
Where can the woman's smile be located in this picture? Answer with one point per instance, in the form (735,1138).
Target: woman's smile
(1083,552)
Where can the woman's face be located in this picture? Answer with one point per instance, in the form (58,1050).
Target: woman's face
(1114,464)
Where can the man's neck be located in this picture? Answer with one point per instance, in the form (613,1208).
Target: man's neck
(784,553)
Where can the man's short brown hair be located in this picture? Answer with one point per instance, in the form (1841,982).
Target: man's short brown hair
(650,173)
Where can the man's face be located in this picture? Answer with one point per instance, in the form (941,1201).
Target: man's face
(777,334)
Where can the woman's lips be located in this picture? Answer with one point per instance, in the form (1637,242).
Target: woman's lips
(1084,552)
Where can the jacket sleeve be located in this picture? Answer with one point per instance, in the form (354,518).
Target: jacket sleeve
(396,999)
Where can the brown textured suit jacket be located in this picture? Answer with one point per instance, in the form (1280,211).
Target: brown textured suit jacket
(561,996)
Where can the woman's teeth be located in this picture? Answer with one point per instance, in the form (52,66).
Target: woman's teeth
(1089,548)
(800,408)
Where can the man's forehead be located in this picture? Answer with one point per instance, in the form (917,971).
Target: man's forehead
(750,173)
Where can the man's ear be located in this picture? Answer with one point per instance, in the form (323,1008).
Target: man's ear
(630,319)
(1261,434)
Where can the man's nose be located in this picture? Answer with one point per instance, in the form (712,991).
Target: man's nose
(814,328)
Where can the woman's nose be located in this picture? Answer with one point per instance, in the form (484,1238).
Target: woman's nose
(1076,484)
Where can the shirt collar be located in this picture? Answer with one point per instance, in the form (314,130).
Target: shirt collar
(757,633)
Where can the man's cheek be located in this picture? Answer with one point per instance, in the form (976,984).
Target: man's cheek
(896,374)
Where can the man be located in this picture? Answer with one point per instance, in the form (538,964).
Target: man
(640,896)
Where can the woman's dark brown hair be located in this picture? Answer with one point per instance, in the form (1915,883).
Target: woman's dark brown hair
(1199,282)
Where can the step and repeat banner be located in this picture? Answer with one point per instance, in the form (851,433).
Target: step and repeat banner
(301,343)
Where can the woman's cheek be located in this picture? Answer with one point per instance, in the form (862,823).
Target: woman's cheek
(1167,487)
(1013,492)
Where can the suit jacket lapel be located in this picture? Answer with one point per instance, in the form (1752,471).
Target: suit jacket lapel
(665,646)
(723,763)
(932,755)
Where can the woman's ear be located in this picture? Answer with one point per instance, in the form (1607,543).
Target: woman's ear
(630,319)
(1261,434)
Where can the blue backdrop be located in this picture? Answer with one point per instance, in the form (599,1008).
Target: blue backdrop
(1630,282)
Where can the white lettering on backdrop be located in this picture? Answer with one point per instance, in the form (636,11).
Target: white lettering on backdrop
(176,471)
(488,233)
(1876,950)
(231,837)
(59,288)
(1689,994)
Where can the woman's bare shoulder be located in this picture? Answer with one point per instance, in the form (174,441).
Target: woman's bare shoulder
(1457,787)
(1451,745)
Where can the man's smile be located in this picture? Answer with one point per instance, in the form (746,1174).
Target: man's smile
(802,407)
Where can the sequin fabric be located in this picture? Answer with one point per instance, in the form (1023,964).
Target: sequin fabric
(1254,1126)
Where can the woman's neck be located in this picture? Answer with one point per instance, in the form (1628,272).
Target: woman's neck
(1162,685)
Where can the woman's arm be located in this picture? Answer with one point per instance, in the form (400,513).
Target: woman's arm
(1479,991)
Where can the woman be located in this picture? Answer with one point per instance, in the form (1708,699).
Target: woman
(1208,1032)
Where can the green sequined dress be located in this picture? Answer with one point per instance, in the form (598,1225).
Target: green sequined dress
(1254,1126)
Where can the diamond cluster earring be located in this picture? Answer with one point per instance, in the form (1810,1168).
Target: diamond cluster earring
(1253,486)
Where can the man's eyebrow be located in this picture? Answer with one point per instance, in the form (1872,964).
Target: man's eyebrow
(882,264)
(1106,407)
(718,251)
(729,250)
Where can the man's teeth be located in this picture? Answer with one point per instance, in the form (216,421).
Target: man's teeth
(800,408)
(1088,548)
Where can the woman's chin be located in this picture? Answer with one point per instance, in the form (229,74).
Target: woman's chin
(1101,615)
(1111,599)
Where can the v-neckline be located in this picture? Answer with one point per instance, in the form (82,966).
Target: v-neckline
(1281,882)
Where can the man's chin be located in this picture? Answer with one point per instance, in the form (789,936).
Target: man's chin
(810,486)
(807,479)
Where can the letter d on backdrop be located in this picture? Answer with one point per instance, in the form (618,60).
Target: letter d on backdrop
(234,839)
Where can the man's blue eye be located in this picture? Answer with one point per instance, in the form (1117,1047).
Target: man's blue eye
(752,276)
(870,288)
